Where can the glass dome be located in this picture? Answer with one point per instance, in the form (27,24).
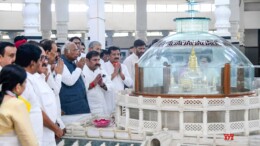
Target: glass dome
(193,63)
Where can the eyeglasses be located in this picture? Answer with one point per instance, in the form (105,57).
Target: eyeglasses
(44,58)
(77,43)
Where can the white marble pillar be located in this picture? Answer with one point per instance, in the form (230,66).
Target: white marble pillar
(241,23)
(222,15)
(96,21)
(46,19)
(62,18)
(141,20)
(234,21)
(109,39)
(31,16)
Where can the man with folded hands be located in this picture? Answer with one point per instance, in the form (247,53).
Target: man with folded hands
(97,84)
(119,75)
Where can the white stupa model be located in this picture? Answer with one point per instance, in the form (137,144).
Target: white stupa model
(185,101)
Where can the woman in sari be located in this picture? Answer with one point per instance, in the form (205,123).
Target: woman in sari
(15,125)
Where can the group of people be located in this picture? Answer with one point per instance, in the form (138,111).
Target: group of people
(38,86)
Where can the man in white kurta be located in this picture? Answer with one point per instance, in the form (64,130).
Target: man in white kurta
(119,75)
(131,60)
(35,112)
(97,84)
(55,69)
(54,81)
(28,56)
(48,103)
(47,100)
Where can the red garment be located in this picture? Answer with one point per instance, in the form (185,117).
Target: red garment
(20,42)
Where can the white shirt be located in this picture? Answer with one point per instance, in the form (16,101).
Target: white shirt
(102,64)
(48,103)
(82,55)
(96,95)
(118,82)
(0,68)
(68,78)
(130,64)
(36,112)
(54,81)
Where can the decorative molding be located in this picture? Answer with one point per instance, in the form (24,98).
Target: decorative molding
(31,13)
(222,15)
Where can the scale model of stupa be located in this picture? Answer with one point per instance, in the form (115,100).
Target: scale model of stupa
(192,88)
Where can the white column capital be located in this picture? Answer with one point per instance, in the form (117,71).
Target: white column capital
(31,15)
(62,19)
(62,31)
(46,34)
(222,15)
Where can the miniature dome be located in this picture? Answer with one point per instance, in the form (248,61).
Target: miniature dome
(177,49)
(193,63)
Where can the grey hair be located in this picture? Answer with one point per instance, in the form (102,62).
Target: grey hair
(94,43)
(66,46)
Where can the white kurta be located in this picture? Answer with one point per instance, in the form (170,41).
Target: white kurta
(96,95)
(130,64)
(118,84)
(68,78)
(54,81)
(36,112)
(49,106)
(82,55)
(102,64)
